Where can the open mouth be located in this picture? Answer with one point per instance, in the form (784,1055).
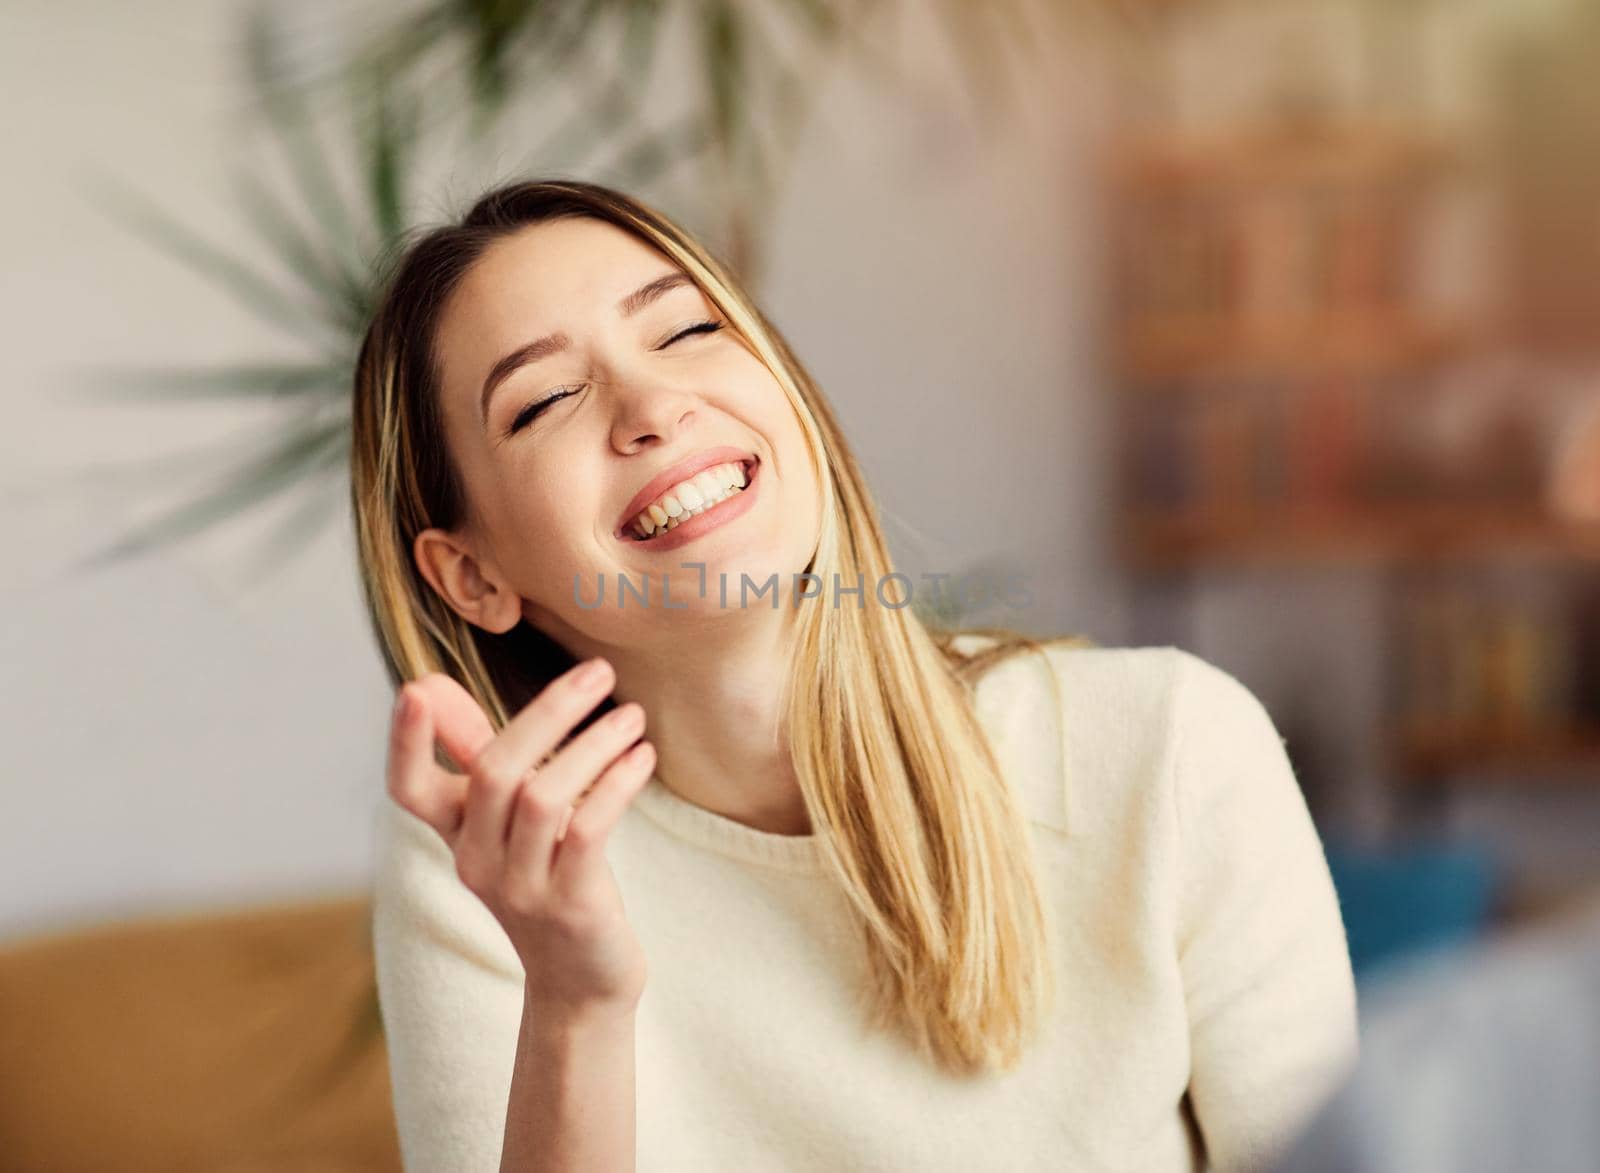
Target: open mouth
(704,492)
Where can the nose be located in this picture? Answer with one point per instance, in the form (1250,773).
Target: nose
(649,410)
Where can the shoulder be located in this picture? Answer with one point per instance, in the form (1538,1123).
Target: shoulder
(1084,727)
(1092,732)
(1109,696)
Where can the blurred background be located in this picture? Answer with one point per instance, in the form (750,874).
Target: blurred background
(1273,323)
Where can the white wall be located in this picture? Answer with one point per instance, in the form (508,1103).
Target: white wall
(179,736)
(941,281)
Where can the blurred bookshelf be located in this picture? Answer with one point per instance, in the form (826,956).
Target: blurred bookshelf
(1285,397)
(1498,679)
(1156,538)
(1436,749)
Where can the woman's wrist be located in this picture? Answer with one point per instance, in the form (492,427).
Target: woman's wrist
(572,1089)
(554,1017)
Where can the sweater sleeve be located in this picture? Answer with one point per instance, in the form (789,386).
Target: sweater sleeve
(1267,979)
(450,991)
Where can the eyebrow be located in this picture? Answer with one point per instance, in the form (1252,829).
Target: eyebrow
(550,344)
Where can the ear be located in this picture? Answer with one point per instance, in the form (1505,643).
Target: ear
(473,589)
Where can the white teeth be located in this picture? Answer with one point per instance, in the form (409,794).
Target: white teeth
(690,498)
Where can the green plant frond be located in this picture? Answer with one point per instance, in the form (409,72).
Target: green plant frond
(555,53)
(652,155)
(288,116)
(563,28)
(398,47)
(873,63)
(125,476)
(493,28)
(329,379)
(789,83)
(754,94)
(980,43)
(283,464)
(791,103)
(348,243)
(324,494)
(518,46)
(145,218)
(264,51)
(618,100)
(390,131)
(260,45)
(722,39)
(342,296)
(822,21)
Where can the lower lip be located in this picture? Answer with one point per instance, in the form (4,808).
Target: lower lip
(730,509)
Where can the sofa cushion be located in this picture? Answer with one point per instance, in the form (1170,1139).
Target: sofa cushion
(247,1039)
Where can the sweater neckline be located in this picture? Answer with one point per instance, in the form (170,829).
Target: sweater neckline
(726,836)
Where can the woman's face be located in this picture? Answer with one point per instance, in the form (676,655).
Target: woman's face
(575,385)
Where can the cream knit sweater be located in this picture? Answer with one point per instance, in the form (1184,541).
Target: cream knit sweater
(1207,1004)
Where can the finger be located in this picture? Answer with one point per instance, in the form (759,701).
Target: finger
(460,724)
(535,732)
(597,815)
(499,770)
(544,806)
(414,780)
(481,845)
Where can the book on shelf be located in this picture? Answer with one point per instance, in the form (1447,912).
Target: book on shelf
(1490,666)
(1323,445)
(1262,256)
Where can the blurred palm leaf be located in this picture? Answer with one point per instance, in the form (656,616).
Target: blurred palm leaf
(322,291)
(753,100)
(292,460)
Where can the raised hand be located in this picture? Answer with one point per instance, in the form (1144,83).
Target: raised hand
(534,858)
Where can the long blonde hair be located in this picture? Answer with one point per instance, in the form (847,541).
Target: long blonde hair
(915,821)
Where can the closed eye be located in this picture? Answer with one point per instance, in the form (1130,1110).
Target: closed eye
(531,412)
(698,328)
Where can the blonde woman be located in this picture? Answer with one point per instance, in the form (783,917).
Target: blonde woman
(704,852)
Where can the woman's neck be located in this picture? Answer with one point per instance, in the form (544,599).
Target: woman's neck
(713,711)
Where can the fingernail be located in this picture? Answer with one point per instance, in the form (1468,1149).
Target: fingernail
(592,672)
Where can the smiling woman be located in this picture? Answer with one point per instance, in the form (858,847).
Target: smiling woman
(621,397)
(855,855)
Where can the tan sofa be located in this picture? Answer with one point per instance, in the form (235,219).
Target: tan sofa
(231,1041)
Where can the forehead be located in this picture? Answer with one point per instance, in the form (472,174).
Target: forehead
(543,276)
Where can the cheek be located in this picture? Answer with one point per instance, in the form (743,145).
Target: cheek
(796,461)
(550,519)
(762,402)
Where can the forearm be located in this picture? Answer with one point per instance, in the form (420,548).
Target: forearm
(571,1105)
